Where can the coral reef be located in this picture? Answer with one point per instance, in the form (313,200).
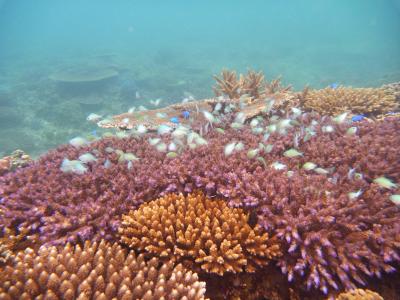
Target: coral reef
(275,86)
(359,294)
(392,89)
(252,84)
(388,115)
(228,84)
(336,226)
(152,119)
(331,241)
(247,93)
(17,159)
(202,230)
(4,165)
(63,207)
(12,240)
(388,286)
(371,152)
(333,101)
(267,283)
(95,271)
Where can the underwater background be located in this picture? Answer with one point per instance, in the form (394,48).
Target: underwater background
(196,150)
(62,60)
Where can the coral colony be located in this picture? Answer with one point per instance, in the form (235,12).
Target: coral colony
(259,193)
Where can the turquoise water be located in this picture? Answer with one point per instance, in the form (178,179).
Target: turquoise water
(171,49)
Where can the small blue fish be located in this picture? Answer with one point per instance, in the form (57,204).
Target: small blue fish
(357,118)
(334,85)
(94,133)
(174,120)
(186,114)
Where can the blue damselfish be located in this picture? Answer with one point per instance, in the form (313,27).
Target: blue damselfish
(174,120)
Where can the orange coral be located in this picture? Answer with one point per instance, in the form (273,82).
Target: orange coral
(393,89)
(359,294)
(228,84)
(373,101)
(252,84)
(205,231)
(12,240)
(17,159)
(96,271)
(275,86)
(5,164)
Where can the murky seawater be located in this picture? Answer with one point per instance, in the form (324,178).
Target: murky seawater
(62,60)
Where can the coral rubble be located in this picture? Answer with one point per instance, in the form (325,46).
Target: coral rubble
(152,119)
(203,230)
(95,271)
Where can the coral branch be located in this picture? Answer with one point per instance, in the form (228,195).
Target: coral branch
(203,230)
(95,271)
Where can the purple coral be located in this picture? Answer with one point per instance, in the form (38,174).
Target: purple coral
(331,241)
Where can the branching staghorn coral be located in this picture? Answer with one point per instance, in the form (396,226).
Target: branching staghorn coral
(228,84)
(60,206)
(331,241)
(12,240)
(95,271)
(275,86)
(359,294)
(333,101)
(206,231)
(68,207)
(371,151)
(252,84)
